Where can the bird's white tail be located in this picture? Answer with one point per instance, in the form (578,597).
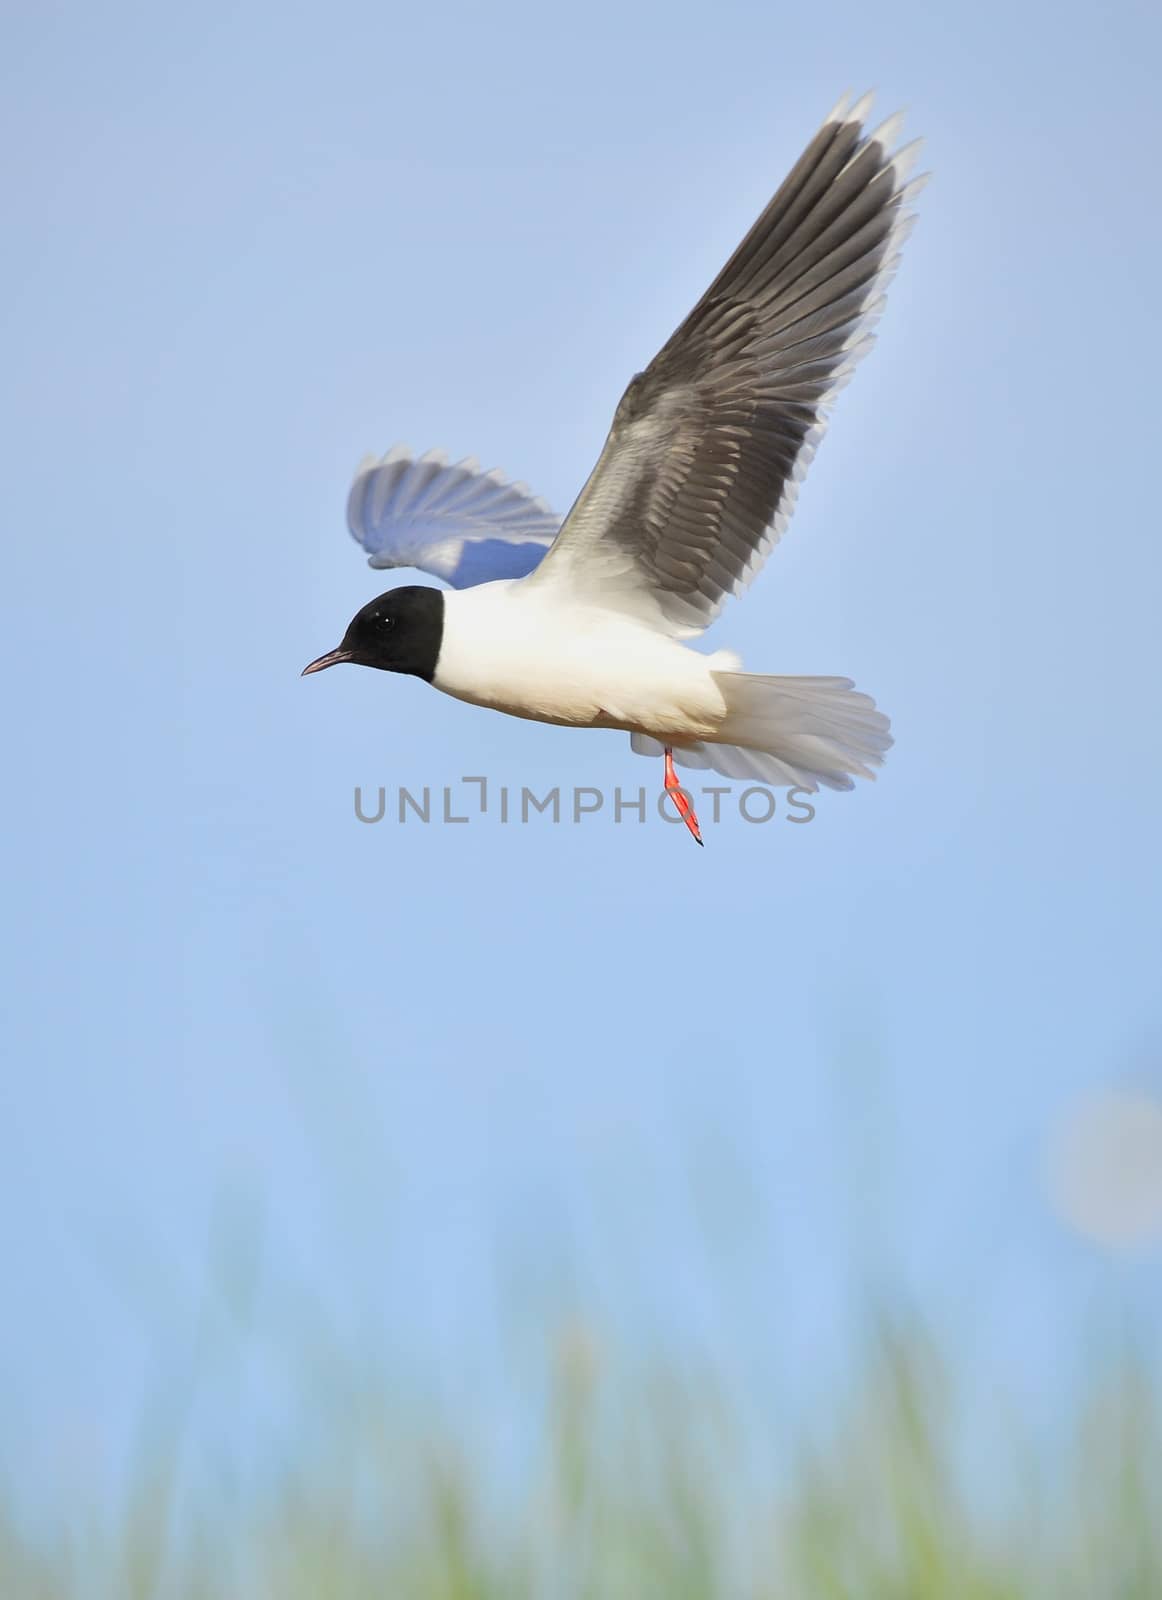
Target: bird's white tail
(812,730)
(790,732)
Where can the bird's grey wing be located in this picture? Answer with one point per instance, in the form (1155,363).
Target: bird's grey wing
(456,522)
(700,471)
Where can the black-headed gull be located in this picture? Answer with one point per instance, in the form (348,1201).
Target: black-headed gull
(695,485)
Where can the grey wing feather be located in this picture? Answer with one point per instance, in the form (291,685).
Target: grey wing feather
(456,522)
(699,474)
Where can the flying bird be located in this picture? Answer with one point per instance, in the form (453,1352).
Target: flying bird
(584,622)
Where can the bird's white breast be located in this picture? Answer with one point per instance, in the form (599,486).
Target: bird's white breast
(508,647)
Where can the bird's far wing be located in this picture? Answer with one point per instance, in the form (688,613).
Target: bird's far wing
(456,522)
(700,471)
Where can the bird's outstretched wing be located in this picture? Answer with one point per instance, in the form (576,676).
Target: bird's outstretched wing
(700,471)
(456,522)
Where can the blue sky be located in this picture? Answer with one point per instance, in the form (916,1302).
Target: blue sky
(249,245)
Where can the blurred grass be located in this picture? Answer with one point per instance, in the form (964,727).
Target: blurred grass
(334,1471)
(635,1484)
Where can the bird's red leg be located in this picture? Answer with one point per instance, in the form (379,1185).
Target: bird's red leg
(681,800)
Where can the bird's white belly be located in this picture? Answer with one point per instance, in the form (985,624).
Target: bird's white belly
(505,648)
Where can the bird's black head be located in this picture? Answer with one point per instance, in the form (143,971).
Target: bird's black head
(400,631)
